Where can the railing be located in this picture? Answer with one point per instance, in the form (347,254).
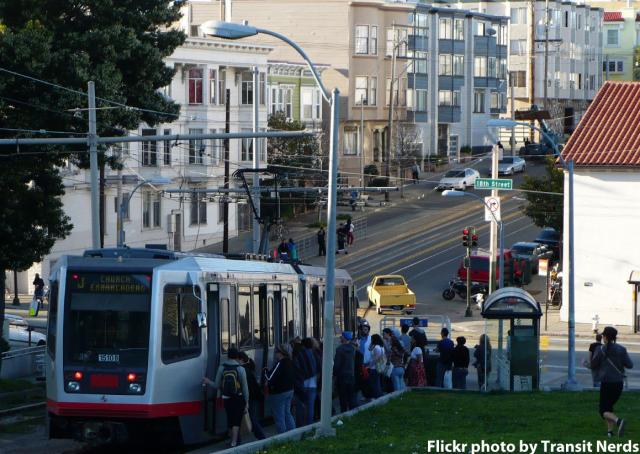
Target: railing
(23,362)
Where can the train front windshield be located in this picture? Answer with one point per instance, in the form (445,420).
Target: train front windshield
(107,318)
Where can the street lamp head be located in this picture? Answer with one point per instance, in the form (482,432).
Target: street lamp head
(453,193)
(227,30)
(501,123)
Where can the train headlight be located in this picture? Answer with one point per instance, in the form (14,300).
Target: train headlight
(135,388)
(73,386)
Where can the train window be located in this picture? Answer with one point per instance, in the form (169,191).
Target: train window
(270,322)
(224,324)
(338,310)
(52,328)
(244,322)
(257,317)
(290,315)
(180,331)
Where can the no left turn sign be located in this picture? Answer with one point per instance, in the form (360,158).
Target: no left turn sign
(492,208)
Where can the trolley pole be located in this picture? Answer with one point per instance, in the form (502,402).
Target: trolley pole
(225,205)
(256,162)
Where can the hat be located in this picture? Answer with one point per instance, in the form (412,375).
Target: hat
(347,335)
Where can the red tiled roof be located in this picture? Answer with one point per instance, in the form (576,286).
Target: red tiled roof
(608,134)
(613,16)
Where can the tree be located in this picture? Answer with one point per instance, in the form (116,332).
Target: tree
(408,149)
(118,44)
(544,209)
(636,63)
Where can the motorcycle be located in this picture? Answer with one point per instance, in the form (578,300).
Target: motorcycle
(459,287)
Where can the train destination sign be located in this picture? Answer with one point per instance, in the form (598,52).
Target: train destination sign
(110,283)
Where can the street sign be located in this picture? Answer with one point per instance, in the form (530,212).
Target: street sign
(543,267)
(494,183)
(491,208)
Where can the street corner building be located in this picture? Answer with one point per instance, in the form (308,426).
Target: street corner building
(605,150)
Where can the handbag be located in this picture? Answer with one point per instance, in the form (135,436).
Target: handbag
(388,370)
(245,424)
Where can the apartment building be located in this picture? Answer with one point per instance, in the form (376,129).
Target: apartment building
(555,56)
(206,69)
(621,36)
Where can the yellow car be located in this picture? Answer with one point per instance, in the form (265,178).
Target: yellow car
(390,292)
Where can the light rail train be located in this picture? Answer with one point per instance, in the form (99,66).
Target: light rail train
(131,333)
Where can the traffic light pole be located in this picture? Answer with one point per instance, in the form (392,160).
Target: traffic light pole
(467,313)
(469,240)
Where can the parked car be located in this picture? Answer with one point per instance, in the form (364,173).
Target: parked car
(479,266)
(19,332)
(458,179)
(391,292)
(531,251)
(535,152)
(510,165)
(551,238)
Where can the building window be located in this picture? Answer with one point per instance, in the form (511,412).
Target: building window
(281,100)
(448,98)
(362,39)
(444,28)
(458,65)
(388,92)
(502,68)
(397,38)
(166,148)
(213,85)
(195,86)
(373,40)
(480,67)
(458,29)
(419,21)
(613,38)
(518,16)
(419,63)
(445,65)
(503,35)
(221,204)
(480,28)
(478,101)
(247,88)
(518,46)
(149,156)
(421,100)
(222,87)
(495,100)
(247,148)
(373,91)
(196,148)
(311,101)
(492,67)
(216,146)
(519,78)
(361,89)
(198,213)
(614,66)
(180,331)
(350,142)
(566,19)
(150,209)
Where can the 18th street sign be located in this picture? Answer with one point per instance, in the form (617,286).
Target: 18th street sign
(494,183)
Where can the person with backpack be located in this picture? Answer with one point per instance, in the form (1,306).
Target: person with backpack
(610,360)
(322,243)
(293,250)
(280,381)
(482,360)
(395,356)
(306,366)
(460,358)
(232,386)
(445,361)
(418,333)
(592,349)
(256,397)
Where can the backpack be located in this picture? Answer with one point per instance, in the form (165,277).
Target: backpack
(231,381)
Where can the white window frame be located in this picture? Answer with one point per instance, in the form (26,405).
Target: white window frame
(246,88)
(609,35)
(361,40)
(480,66)
(479,101)
(313,95)
(246,147)
(373,91)
(445,28)
(458,65)
(348,148)
(458,29)
(373,40)
(519,16)
(151,209)
(361,89)
(213,86)
(198,87)
(445,65)
(197,149)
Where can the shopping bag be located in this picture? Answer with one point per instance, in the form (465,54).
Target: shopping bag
(34,308)
(245,425)
(447,383)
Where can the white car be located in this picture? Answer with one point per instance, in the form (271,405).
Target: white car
(458,179)
(19,332)
(509,165)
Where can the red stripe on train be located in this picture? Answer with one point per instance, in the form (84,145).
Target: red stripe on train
(109,410)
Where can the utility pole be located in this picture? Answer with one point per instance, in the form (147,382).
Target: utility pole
(546,52)
(532,63)
(119,215)
(466,242)
(363,100)
(390,121)
(256,161)
(512,90)
(225,205)
(93,164)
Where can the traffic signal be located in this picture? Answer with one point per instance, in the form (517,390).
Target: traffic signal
(474,237)
(465,237)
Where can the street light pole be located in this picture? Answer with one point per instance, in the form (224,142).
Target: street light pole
(362,185)
(93,165)
(126,200)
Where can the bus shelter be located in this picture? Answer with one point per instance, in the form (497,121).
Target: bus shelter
(512,321)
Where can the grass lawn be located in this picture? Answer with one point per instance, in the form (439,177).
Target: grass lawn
(406,424)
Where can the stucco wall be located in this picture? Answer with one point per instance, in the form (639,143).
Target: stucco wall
(606,245)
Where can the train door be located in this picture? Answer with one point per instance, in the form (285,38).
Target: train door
(261,324)
(215,294)
(317,301)
(274,303)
